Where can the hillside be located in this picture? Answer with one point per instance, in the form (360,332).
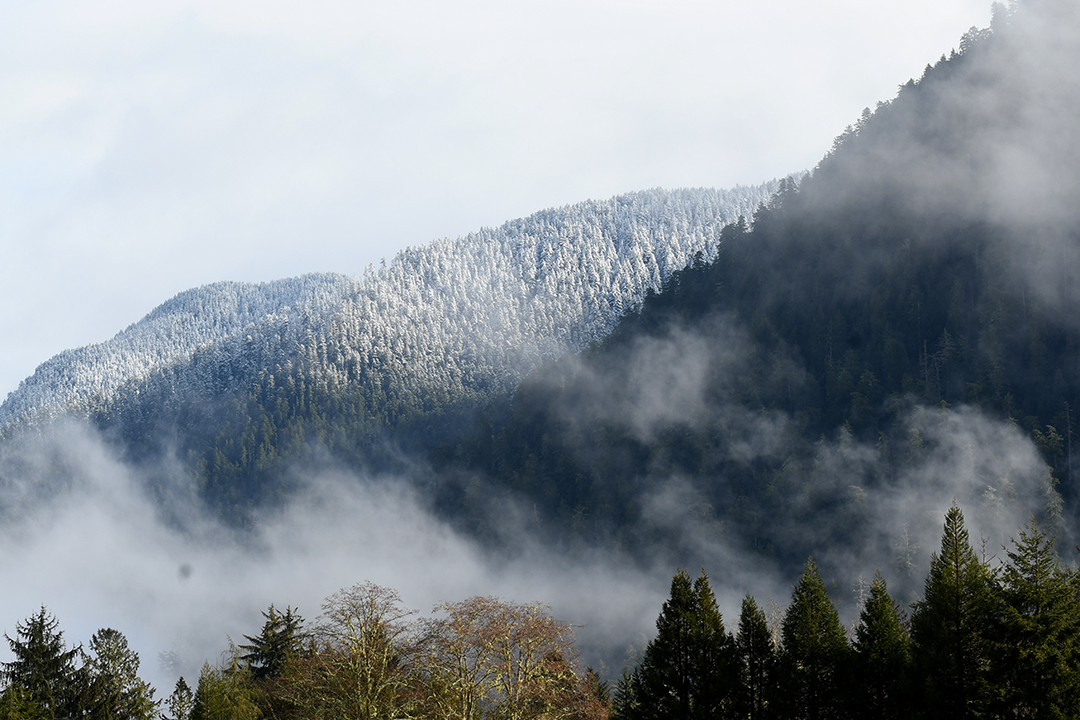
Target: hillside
(239,379)
(894,333)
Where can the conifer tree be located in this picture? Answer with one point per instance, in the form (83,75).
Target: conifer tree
(948,628)
(1036,644)
(686,670)
(713,673)
(814,651)
(662,681)
(882,655)
(110,686)
(280,641)
(180,704)
(42,667)
(756,661)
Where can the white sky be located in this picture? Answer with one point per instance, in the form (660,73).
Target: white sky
(146,148)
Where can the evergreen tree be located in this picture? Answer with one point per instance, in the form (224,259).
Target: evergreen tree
(882,655)
(180,704)
(110,687)
(42,667)
(685,672)
(756,658)
(1036,644)
(713,675)
(281,640)
(223,693)
(948,628)
(814,651)
(16,704)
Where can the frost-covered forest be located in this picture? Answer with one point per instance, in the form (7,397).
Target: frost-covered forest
(457,315)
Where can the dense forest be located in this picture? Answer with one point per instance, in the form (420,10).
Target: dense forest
(989,641)
(663,382)
(806,367)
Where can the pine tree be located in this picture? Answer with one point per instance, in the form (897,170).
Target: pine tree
(948,628)
(713,655)
(686,670)
(1036,648)
(882,657)
(280,641)
(814,651)
(756,659)
(110,684)
(180,704)
(16,704)
(42,667)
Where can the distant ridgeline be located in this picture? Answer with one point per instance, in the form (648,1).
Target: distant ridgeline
(241,378)
(648,371)
(931,260)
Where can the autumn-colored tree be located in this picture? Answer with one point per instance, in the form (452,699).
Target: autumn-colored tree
(486,656)
(360,666)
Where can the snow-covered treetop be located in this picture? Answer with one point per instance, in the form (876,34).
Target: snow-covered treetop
(476,311)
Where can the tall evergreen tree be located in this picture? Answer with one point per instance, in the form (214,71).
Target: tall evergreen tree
(756,661)
(882,656)
(713,674)
(110,687)
(948,628)
(814,651)
(685,672)
(42,667)
(1036,644)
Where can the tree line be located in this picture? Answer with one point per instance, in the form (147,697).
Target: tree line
(984,641)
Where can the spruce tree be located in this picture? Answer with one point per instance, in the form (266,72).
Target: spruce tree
(713,673)
(814,651)
(281,640)
(949,627)
(1036,646)
(110,685)
(180,704)
(685,672)
(882,656)
(756,662)
(43,668)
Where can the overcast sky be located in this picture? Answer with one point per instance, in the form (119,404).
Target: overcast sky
(146,148)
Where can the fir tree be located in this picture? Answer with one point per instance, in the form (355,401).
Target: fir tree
(948,627)
(280,641)
(685,672)
(713,662)
(882,657)
(1036,648)
(180,704)
(756,659)
(110,684)
(814,651)
(42,667)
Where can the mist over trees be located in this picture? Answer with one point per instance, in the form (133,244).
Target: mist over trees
(914,287)
(990,639)
(659,380)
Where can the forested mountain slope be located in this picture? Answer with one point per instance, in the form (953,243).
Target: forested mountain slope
(897,331)
(237,376)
